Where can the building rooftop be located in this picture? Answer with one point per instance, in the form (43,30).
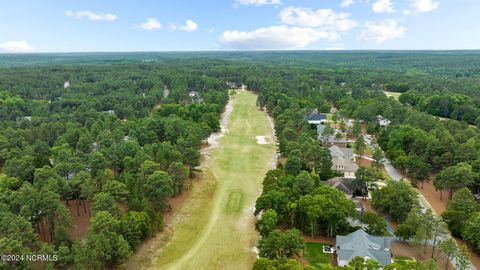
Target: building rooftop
(346,153)
(359,243)
(342,184)
(320,129)
(315,117)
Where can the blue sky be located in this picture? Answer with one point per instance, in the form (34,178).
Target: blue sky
(148,25)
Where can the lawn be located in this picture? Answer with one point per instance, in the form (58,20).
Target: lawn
(215,229)
(395,95)
(315,256)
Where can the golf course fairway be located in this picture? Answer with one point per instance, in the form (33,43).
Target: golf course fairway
(215,228)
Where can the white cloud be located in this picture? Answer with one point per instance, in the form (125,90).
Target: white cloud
(383,6)
(347,3)
(424,5)
(382,31)
(406,12)
(189,26)
(259,2)
(151,24)
(92,16)
(324,19)
(16,46)
(273,37)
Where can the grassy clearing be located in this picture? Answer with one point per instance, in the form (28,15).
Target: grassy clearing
(315,256)
(215,228)
(395,95)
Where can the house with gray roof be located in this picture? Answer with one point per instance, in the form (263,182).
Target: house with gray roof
(361,244)
(343,160)
(345,185)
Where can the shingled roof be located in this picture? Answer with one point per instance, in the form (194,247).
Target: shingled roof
(359,243)
(342,184)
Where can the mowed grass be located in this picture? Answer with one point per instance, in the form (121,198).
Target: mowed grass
(315,256)
(395,95)
(216,228)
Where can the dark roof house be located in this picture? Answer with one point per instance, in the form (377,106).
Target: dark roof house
(342,184)
(316,118)
(361,244)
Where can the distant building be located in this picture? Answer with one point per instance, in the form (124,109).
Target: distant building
(66,84)
(382,121)
(361,244)
(333,140)
(343,160)
(193,94)
(320,130)
(108,112)
(28,118)
(316,118)
(234,85)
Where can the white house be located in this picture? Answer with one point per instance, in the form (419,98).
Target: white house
(316,119)
(382,121)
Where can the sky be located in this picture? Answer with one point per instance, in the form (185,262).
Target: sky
(181,25)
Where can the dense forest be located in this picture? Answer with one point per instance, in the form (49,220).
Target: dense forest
(113,136)
(116,142)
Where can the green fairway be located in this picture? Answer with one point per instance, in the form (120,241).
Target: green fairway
(215,228)
(315,256)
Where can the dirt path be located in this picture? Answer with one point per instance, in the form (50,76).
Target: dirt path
(214,229)
(433,197)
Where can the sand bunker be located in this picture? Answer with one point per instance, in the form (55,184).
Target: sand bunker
(256,251)
(261,140)
(212,140)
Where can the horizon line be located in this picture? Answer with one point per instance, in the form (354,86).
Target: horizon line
(230,51)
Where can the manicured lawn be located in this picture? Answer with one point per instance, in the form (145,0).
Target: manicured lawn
(315,256)
(215,228)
